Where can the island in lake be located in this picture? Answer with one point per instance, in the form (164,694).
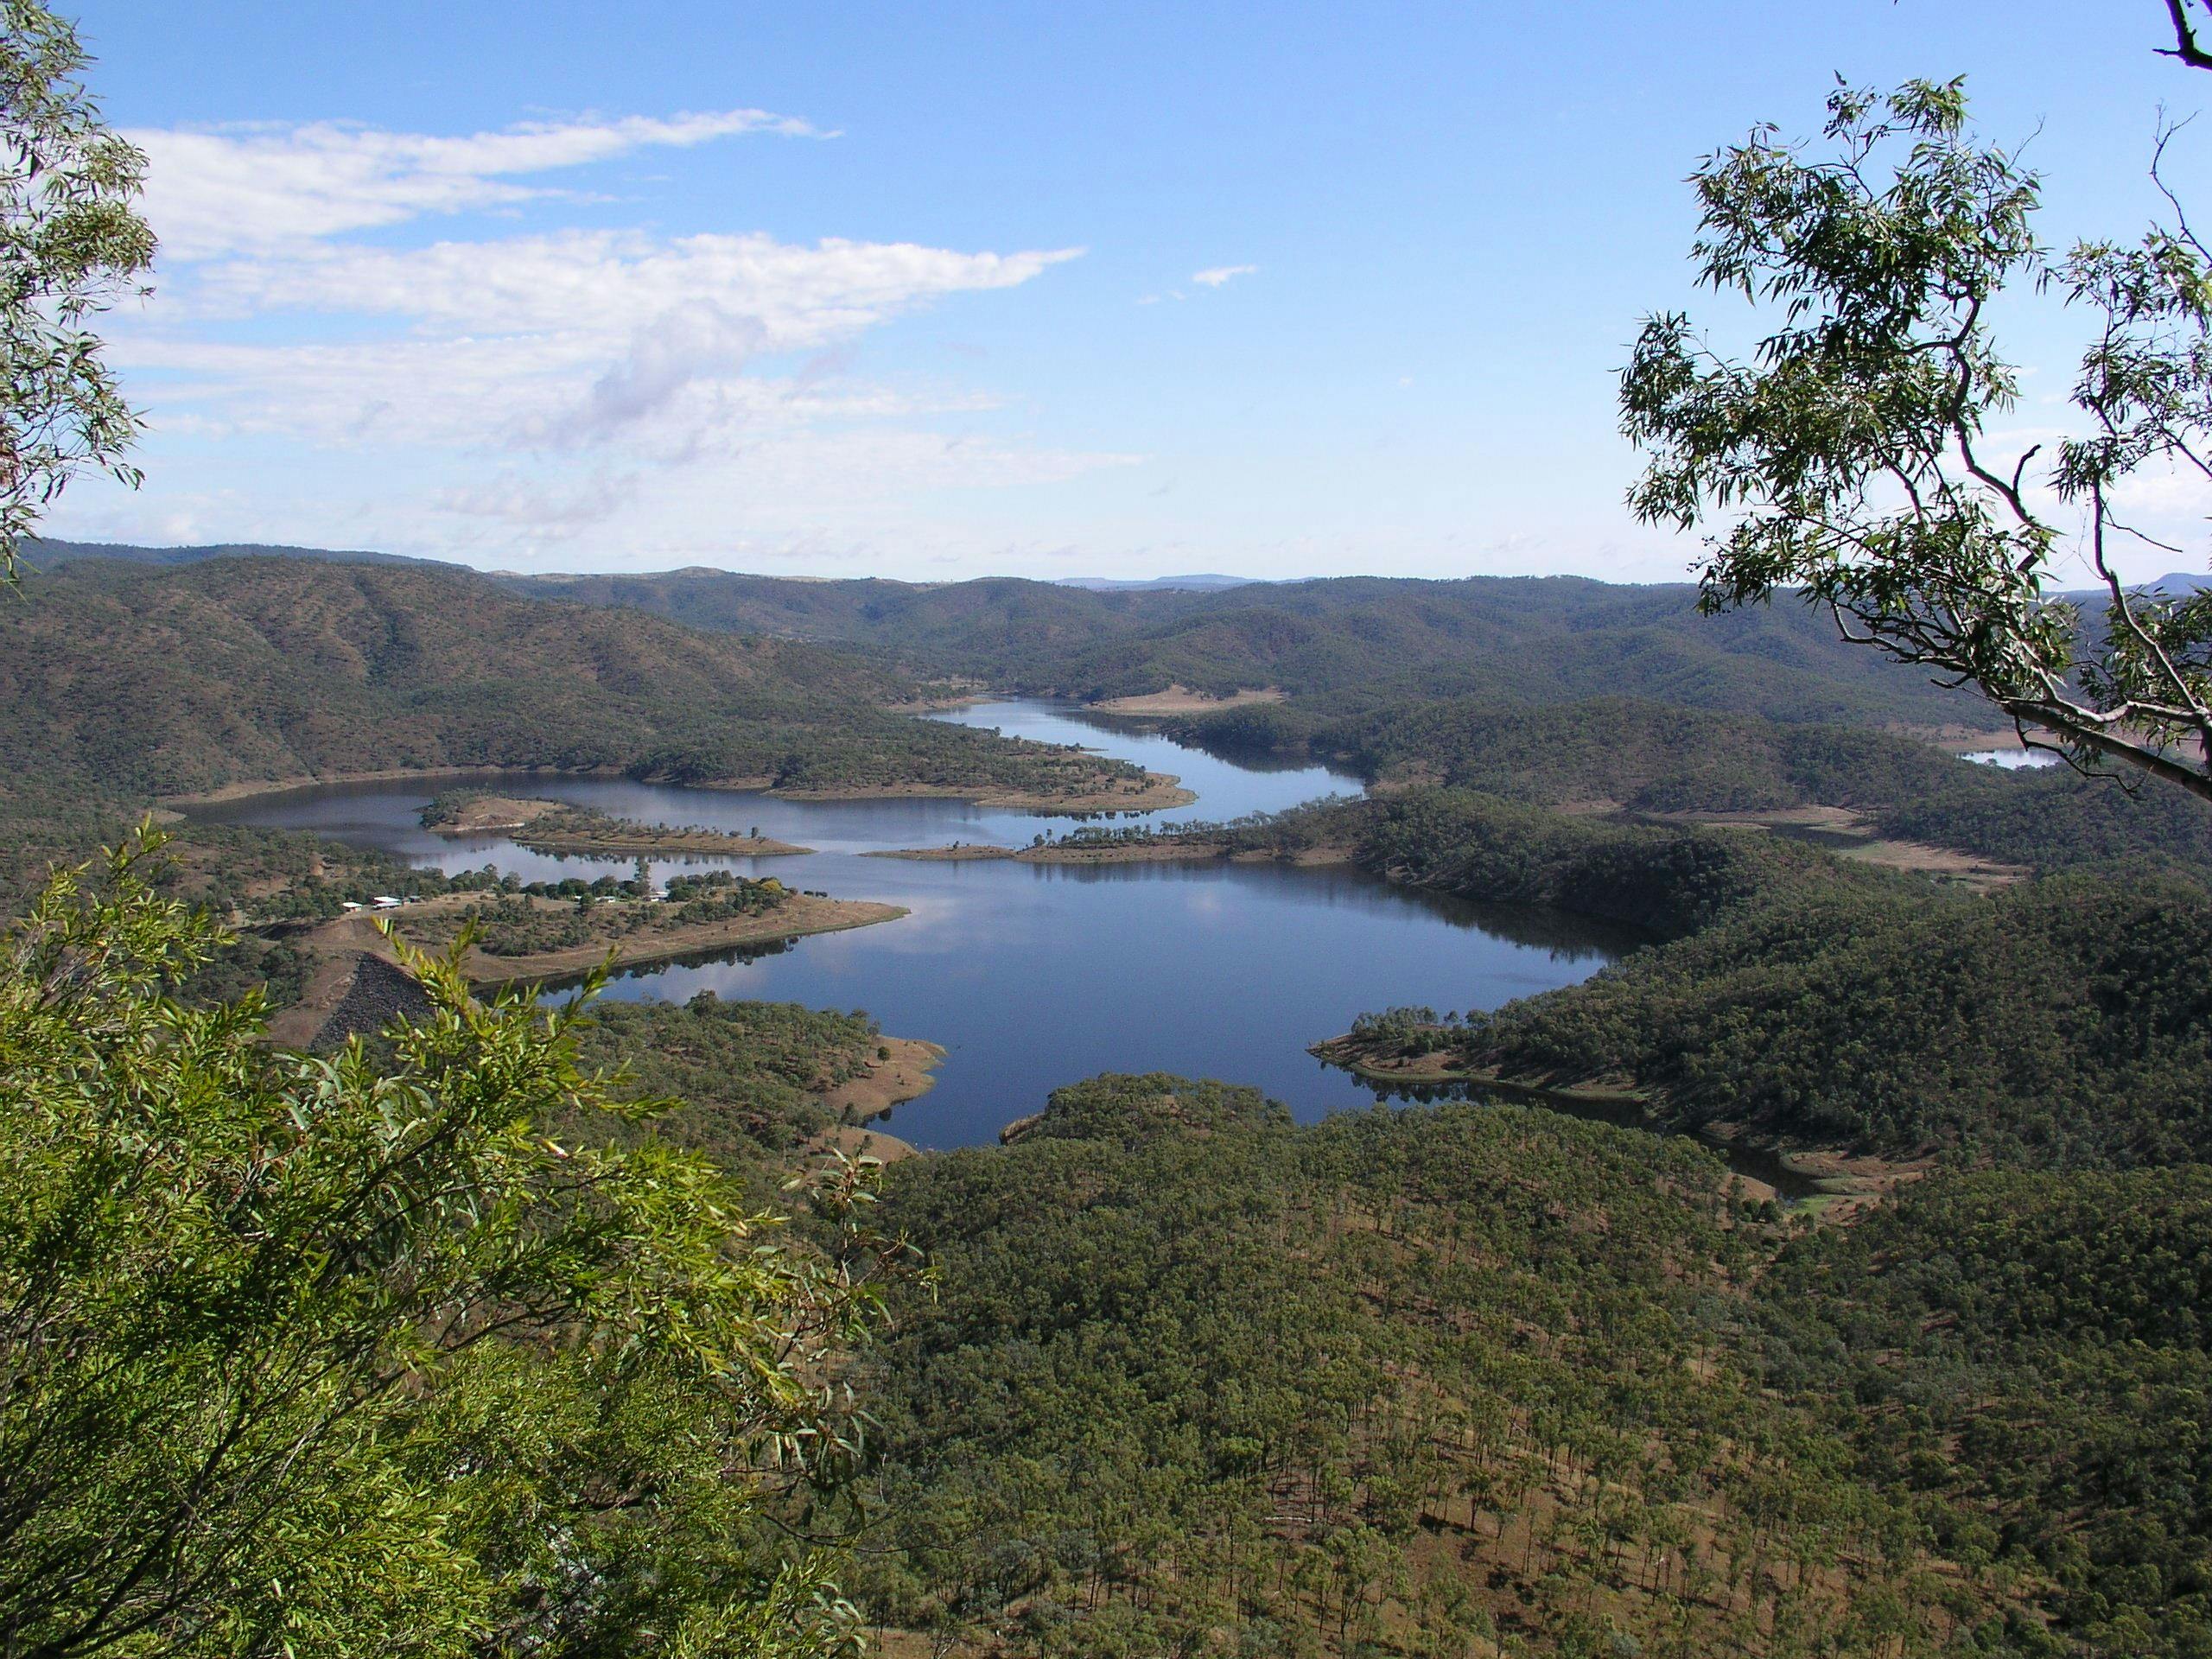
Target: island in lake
(515,936)
(556,827)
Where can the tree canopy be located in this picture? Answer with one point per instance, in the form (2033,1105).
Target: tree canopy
(319,1355)
(1849,457)
(71,245)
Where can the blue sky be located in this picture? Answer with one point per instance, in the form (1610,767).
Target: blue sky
(943,291)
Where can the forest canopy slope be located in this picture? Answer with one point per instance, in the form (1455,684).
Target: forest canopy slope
(1350,643)
(1636,756)
(149,680)
(1416,1382)
(2064,1021)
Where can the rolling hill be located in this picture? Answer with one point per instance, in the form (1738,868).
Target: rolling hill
(148,680)
(1346,645)
(1342,645)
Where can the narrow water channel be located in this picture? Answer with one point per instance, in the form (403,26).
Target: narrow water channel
(1032,975)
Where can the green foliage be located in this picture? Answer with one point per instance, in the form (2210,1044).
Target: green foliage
(749,1076)
(1667,882)
(71,245)
(511,923)
(261,875)
(1648,758)
(2032,1348)
(322,1356)
(2053,819)
(1196,1380)
(131,679)
(2061,1022)
(2067,1021)
(1849,455)
(1645,756)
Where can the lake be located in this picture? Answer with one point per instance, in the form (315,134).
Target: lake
(1032,975)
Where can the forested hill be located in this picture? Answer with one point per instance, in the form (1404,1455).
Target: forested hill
(1351,643)
(2065,1022)
(1623,753)
(46,553)
(130,679)
(1345,644)
(1484,1379)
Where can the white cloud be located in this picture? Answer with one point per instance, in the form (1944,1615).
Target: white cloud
(605,282)
(521,393)
(1214,275)
(212,191)
(501,396)
(515,499)
(561,340)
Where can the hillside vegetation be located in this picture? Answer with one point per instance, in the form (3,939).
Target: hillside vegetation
(137,681)
(1634,756)
(748,1076)
(1349,644)
(1196,1380)
(2064,1021)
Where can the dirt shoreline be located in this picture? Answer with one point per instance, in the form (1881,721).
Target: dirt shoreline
(1162,790)
(907,1074)
(863,1140)
(1870,845)
(1962,739)
(796,918)
(1181,700)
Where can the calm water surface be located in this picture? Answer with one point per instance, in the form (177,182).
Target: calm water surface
(1035,975)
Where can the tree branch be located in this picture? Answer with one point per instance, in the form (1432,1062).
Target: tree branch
(2184,49)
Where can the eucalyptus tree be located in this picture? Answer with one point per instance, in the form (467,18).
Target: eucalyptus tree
(324,1355)
(71,245)
(1850,456)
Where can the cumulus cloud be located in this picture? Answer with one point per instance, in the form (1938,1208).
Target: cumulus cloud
(600,282)
(562,339)
(488,394)
(1214,275)
(686,343)
(532,504)
(212,191)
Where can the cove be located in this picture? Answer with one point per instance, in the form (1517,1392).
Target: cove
(1034,975)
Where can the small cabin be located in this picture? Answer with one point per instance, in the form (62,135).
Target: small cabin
(386,901)
(351,906)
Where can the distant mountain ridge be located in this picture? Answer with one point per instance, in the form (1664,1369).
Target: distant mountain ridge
(142,679)
(1336,645)
(1343,644)
(2173,585)
(1194,584)
(47,554)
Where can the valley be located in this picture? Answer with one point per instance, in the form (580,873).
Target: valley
(1181,965)
(735,1026)
(1481,1096)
